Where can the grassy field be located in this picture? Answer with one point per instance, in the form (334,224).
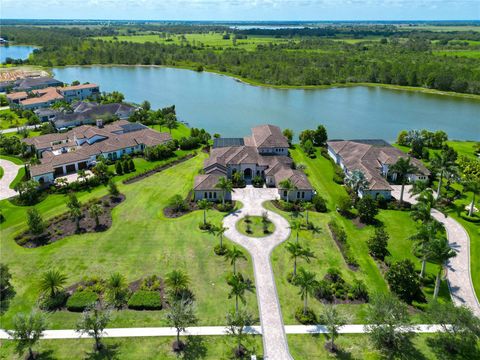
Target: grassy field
(256,226)
(474,54)
(198,347)
(398,224)
(207,40)
(311,347)
(9,119)
(139,231)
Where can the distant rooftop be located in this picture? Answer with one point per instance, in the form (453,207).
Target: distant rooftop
(226,142)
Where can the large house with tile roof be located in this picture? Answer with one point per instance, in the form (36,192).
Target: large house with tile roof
(373,158)
(264,154)
(79,148)
(46,97)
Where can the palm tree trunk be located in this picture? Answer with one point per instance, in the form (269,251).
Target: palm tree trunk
(472,205)
(223,197)
(221,241)
(178,337)
(424,264)
(439,189)
(236,304)
(297,238)
(437,283)
(401,191)
(305,304)
(234,267)
(30,353)
(307,217)
(332,341)
(204,217)
(295,266)
(288,196)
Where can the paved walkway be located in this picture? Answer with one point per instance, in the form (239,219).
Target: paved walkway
(274,339)
(208,331)
(459,275)
(10,171)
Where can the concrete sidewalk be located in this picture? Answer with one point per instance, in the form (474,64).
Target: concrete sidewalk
(10,172)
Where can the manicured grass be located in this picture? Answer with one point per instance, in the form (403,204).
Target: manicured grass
(13,159)
(198,347)
(208,40)
(18,178)
(1,172)
(398,224)
(31,133)
(14,122)
(141,241)
(464,147)
(256,227)
(181,131)
(474,54)
(311,347)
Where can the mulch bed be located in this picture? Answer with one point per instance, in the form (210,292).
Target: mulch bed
(341,247)
(141,176)
(62,226)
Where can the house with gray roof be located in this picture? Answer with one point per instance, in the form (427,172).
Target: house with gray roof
(263,154)
(79,148)
(373,158)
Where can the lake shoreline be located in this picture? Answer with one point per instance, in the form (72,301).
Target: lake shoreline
(292,87)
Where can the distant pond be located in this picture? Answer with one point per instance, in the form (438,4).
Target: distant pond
(224,105)
(15,52)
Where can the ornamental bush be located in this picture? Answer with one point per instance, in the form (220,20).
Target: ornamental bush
(81,300)
(404,281)
(319,203)
(145,300)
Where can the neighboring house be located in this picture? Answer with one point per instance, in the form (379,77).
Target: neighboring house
(63,153)
(46,97)
(85,113)
(373,158)
(29,84)
(263,154)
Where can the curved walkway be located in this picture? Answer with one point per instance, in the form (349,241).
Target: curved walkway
(459,275)
(10,172)
(274,339)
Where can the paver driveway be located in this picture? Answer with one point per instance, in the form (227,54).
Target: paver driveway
(10,172)
(275,344)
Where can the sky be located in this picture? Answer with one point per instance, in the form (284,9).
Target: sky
(242,9)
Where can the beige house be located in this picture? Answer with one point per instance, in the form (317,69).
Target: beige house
(263,154)
(373,158)
(79,148)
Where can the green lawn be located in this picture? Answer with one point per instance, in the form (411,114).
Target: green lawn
(1,172)
(208,40)
(199,347)
(474,54)
(311,347)
(256,227)
(398,224)
(181,131)
(141,241)
(9,119)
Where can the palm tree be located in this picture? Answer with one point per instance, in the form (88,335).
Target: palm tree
(116,290)
(402,168)
(307,206)
(52,282)
(427,232)
(226,186)
(357,181)
(439,251)
(95,211)
(76,214)
(178,281)
(205,205)
(297,251)
(442,164)
(296,226)
(288,186)
(421,212)
(233,255)
(239,286)
(219,231)
(418,187)
(472,186)
(308,283)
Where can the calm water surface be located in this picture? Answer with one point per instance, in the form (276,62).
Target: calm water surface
(222,104)
(15,52)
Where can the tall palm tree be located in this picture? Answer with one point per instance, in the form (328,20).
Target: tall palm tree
(421,212)
(307,283)
(296,226)
(442,164)
(307,206)
(234,254)
(226,186)
(219,231)
(239,286)
(427,232)
(177,280)
(298,251)
(439,252)
(95,211)
(76,215)
(402,168)
(205,205)
(418,187)
(288,186)
(52,282)
(357,181)
(472,186)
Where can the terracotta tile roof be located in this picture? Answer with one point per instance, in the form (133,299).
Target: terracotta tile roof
(368,157)
(78,87)
(206,181)
(268,136)
(17,95)
(42,95)
(297,177)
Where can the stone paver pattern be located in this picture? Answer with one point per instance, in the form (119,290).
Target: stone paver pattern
(459,274)
(275,344)
(10,171)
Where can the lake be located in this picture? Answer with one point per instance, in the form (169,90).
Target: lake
(15,52)
(221,104)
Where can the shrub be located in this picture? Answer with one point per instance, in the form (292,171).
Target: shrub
(151,283)
(225,208)
(220,250)
(404,281)
(145,300)
(338,175)
(258,181)
(177,203)
(324,291)
(344,204)
(308,318)
(319,203)
(81,300)
(367,209)
(118,168)
(189,143)
(359,290)
(50,303)
(378,243)
(382,203)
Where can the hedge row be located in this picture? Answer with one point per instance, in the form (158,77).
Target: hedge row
(81,300)
(145,300)
(340,237)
